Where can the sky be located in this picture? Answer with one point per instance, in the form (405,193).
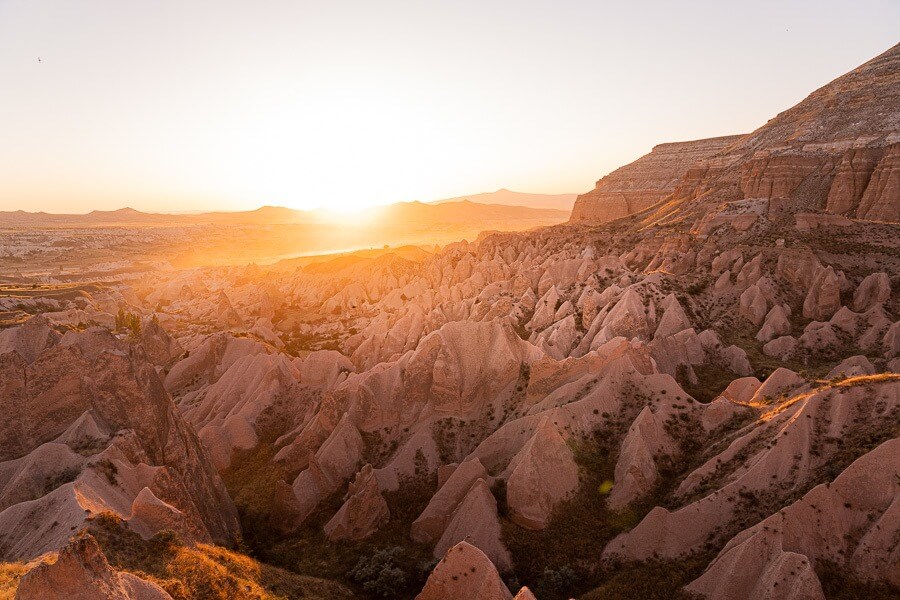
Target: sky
(177,106)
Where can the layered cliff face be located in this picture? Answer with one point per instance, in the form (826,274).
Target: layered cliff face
(838,151)
(646,181)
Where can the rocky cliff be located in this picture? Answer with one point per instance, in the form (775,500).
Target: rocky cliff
(838,151)
(646,181)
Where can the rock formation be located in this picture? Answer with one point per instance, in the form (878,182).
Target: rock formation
(848,522)
(81,572)
(641,184)
(97,432)
(465,572)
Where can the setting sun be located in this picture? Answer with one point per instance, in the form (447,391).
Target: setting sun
(189,106)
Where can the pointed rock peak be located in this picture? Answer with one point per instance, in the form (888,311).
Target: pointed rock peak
(524,594)
(465,572)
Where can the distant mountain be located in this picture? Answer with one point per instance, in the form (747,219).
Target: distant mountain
(447,211)
(466,210)
(510,198)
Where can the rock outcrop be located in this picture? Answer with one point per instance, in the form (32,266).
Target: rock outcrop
(81,572)
(641,184)
(363,511)
(494,380)
(849,523)
(90,428)
(465,572)
(542,475)
(476,522)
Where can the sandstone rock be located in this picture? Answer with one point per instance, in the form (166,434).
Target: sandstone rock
(777,323)
(824,297)
(720,411)
(891,341)
(207,362)
(545,310)
(798,268)
(228,317)
(780,381)
(81,572)
(65,395)
(150,515)
(524,594)
(852,367)
(852,178)
(874,289)
(879,201)
(465,572)
(809,221)
(742,389)
(627,318)
(723,282)
(333,463)
(776,557)
(444,472)
(226,411)
(753,305)
(783,347)
(673,319)
(777,176)
(636,471)
(780,459)
(430,525)
(161,348)
(363,512)
(475,521)
(30,339)
(542,475)
(323,369)
(645,182)
(820,337)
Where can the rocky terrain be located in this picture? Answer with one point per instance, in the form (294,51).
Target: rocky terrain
(700,399)
(641,184)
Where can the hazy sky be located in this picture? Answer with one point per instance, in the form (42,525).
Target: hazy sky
(229,105)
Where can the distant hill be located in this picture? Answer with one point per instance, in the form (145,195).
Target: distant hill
(466,210)
(510,198)
(445,211)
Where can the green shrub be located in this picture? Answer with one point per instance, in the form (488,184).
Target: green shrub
(557,583)
(380,573)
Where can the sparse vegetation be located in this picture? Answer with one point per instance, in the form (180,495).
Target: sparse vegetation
(61,478)
(307,551)
(108,469)
(711,381)
(381,574)
(202,572)
(838,584)
(128,321)
(564,556)
(650,580)
(10,574)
